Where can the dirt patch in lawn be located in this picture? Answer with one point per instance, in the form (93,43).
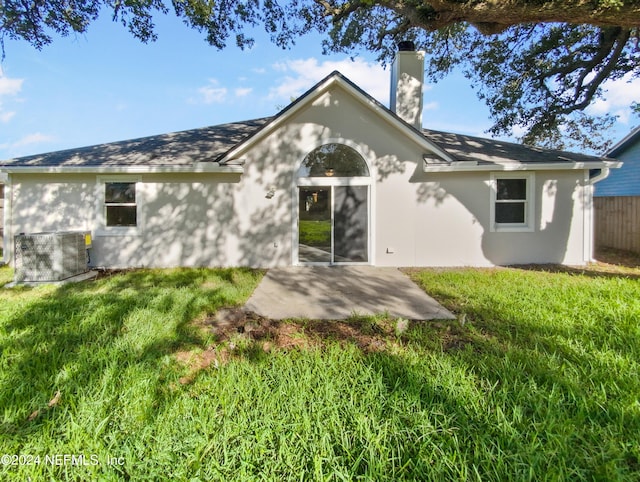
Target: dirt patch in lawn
(610,258)
(196,362)
(234,323)
(239,332)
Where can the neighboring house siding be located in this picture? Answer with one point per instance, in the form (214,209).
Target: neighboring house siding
(626,180)
(617,200)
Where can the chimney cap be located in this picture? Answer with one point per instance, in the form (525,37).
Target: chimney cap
(406,46)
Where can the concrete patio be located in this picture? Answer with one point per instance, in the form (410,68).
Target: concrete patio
(338,292)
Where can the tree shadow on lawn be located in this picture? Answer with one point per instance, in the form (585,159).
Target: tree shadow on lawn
(536,399)
(611,263)
(591,271)
(469,392)
(486,377)
(480,417)
(540,352)
(69,339)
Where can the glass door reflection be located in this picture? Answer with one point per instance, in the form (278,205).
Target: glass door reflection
(314,225)
(351,224)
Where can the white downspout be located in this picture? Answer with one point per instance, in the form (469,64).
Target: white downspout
(589,214)
(604,172)
(8,220)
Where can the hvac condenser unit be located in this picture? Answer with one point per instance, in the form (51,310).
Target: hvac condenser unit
(51,256)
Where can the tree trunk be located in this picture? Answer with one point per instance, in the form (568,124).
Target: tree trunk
(494,16)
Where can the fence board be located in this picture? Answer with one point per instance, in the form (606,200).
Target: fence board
(617,222)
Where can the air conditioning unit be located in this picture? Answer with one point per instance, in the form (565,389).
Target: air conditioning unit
(51,256)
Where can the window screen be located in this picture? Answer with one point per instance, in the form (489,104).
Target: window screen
(120,204)
(511,201)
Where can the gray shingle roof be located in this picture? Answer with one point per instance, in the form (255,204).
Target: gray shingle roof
(491,151)
(174,149)
(209,144)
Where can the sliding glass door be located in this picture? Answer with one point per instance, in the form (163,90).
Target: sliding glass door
(315,225)
(333,224)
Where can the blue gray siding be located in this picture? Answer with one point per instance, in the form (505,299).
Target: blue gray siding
(626,180)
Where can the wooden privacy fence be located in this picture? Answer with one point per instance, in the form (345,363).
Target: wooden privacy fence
(617,222)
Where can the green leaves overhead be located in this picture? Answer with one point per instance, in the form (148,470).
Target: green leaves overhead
(536,78)
(541,78)
(538,64)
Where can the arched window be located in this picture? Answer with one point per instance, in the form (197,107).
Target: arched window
(334,160)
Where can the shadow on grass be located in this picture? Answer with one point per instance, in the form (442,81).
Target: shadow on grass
(141,279)
(592,271)
(467,400)
(504,393)
(68,340)
(611,263)
(562,350)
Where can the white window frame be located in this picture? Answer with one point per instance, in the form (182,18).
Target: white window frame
(529,203)
(101,208)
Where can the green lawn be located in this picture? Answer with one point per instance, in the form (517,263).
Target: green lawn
(538,380)
(315,233)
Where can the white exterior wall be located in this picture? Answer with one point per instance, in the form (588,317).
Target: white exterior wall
(184,220)
(417,218)
(450,216)
(430,219)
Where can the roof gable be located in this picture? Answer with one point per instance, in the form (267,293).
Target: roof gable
(336,79)
(629,141)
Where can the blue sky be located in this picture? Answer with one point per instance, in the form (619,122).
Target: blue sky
(106,86)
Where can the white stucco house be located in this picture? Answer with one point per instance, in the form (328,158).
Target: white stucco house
(334,178)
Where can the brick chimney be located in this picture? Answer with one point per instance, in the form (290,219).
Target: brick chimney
(407,78)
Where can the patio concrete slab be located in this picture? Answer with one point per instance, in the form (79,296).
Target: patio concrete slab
(338,292)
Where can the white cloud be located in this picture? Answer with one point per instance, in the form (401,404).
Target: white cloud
(31,139)
(212,93)
(243,91)
(519,131)
(302,74)
(430,106)
(5,116)
(619,94)
(8,88)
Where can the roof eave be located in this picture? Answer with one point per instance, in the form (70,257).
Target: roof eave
(196,168)
(520,166)
(626,142)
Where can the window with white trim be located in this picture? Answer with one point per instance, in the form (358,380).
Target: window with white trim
(512,203)
(120,208)
(118,203)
